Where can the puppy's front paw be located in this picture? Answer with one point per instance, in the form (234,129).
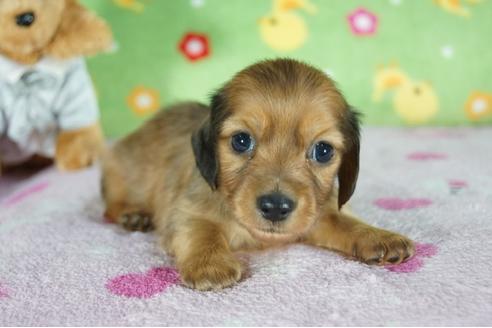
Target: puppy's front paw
(377,246)
(210,272)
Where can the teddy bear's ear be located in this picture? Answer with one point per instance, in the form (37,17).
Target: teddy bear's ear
(81,33)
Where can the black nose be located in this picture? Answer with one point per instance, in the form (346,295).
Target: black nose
(25,19)
(275,206)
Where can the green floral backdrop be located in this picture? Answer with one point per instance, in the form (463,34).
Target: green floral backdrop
(401,62)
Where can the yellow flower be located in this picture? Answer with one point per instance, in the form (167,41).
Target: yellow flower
(478,105)
(143,100)
(132,5)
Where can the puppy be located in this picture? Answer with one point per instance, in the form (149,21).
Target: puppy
(255,169)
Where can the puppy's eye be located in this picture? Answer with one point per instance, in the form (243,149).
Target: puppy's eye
(242,142)
(322,152)
(25,19)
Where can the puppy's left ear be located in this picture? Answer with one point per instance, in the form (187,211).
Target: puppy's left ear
(81,33)
(349,168)
(204,141)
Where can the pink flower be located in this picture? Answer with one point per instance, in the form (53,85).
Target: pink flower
(362,22)
(194,46)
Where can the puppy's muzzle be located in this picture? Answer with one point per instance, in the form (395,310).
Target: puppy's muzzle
(275,206)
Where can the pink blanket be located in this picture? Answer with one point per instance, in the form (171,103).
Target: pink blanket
(62,264)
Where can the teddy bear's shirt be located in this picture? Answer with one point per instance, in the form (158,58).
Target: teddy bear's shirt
(39,101)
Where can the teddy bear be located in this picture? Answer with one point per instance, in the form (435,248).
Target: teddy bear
(48,107)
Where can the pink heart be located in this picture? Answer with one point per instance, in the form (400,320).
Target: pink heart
(20,196)
(398,204)
(143,285)
(415,262)
(426,156)
(454,183)
(3,292)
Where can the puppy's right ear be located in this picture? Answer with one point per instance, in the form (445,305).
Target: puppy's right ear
(204,141)
(204,148)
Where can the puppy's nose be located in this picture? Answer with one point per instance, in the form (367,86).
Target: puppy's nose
(275,207)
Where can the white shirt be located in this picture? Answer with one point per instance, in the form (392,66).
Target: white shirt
(37,101)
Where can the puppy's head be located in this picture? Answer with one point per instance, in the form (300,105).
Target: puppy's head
(278,137)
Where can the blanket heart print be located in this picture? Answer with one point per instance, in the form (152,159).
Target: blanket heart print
(157,280)
(143,285)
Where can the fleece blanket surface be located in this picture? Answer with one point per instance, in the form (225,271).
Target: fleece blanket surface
(62,264)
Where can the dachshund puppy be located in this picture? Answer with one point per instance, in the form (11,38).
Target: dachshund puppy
(255,169)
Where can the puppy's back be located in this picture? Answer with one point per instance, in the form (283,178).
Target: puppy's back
(155,157)
(167,129)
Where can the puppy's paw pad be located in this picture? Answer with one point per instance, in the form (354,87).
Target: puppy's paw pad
(382,247)
(136,221)
(214,274)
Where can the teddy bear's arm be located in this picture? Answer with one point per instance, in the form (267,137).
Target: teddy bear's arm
(80,140)
(80,148)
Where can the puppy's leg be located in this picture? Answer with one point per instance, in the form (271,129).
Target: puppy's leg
(136,220)
(203,256)
(342,232)
(120,207)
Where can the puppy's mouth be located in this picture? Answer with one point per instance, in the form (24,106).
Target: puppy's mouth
(272,235)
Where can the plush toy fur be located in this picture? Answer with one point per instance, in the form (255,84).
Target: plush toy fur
(62,30)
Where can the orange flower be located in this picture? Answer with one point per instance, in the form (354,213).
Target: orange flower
(132,5)
(143,100)
(478,105)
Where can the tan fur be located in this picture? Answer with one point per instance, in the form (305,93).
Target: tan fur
(343,232)
(80,32)
(62,29)
(286,106)
(79,148)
